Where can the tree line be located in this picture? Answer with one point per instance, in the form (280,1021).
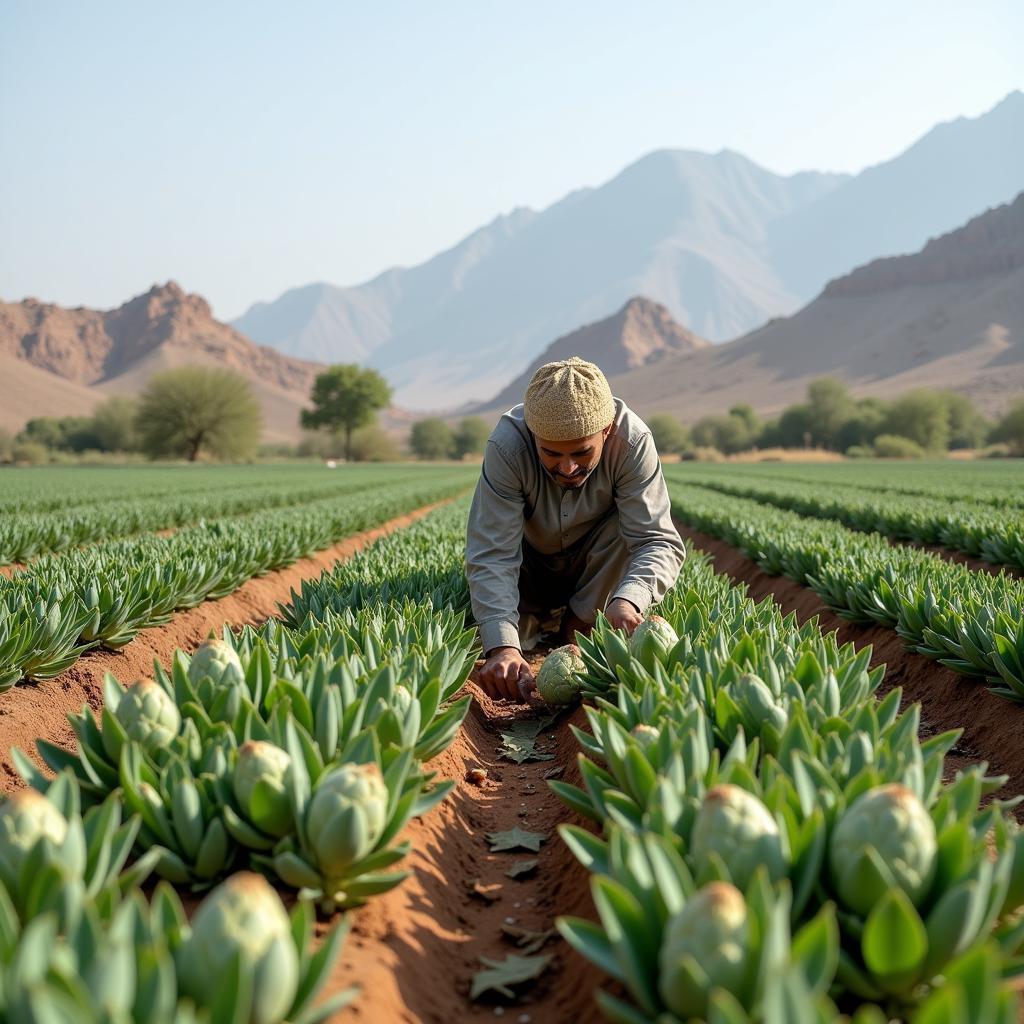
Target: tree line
(915,424)
(197,412)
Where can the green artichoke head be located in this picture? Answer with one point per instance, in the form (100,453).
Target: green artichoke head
(402,700)
(705,946)
(652,640)
(25,818)
(558,679)
(347,814)
(645,735)
(243,916)
(261,777)
(217,660)
(736,826)
(148,715)
(885,836)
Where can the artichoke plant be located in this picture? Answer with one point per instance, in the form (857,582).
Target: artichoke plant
(346,819)
(557,680)
(884,840)
(217,660)
(706,946)
(54,859)
(652,641)
(242,960)
(259,785)
(735,831)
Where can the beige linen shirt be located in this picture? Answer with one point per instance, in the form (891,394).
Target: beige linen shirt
(516,499)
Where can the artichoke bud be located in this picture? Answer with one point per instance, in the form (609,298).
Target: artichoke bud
(652,640)
(260,783)
(26,818)
(402,700)
(346,816)
(216,660)
(736,826)
(891,821)
(148,716)
(646,736)
(243,916)
(558,678)
(705,946)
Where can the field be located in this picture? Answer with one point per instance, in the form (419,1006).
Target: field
(791,798)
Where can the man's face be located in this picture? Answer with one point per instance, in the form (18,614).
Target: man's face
(569,463)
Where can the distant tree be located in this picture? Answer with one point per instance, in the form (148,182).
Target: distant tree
(371,444)
(192,409)
(968,428)
(114,424)
(670,436)
(346,397)
(866,423)
(431,438)
(794,428)
(830,406)
(6,445)
(1010,428)
(748,416)
(471,436)
(921,415)
(728,434)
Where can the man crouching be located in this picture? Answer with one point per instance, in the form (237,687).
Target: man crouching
(571,511)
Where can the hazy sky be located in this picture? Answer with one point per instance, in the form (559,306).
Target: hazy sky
(247,147)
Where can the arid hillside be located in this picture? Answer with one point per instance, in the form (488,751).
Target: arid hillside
(641,333)
(57,361)
(949,316)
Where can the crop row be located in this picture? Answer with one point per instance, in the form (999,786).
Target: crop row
(296,752)
(996,535)
(60,607)
(998,483)
(972,622)
(775,844)
(27,534)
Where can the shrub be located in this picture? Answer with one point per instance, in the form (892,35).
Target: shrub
(893,446)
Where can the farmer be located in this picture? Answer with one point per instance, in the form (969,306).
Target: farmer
(571,511)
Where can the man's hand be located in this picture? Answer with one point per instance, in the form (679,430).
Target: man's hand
(506,674)
(622,614)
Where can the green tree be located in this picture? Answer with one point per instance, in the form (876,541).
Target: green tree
(866,423)
(371,444)
(114,424)
(431,438)
(6,445)
(830,406)
(794,428)
(921,415)
(471,436)
(968,428)
(193,409)
(670,436)
(344,398)
(1010,428)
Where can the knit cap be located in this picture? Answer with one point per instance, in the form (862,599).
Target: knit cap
(568,399)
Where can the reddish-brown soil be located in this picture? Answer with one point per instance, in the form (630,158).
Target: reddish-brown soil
(39,710)
(415,950)
(991,726)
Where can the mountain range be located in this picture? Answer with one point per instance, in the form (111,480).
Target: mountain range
(723,244)
(948,316)
(58,361)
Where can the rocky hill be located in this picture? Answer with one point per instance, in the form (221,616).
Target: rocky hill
(640,333)
(62,361)
(949,316)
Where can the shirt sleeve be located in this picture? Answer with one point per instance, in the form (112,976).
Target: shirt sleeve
(494,536)
(656,550)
